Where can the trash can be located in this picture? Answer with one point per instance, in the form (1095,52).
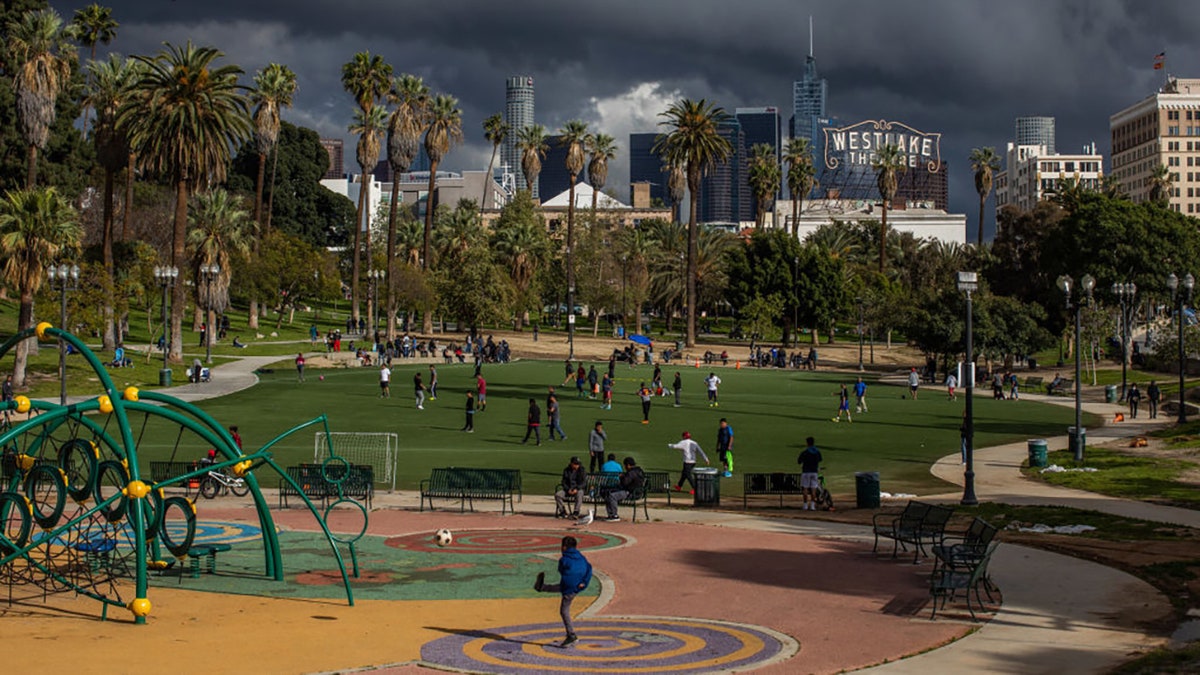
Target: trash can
(1110,393)
(1071,440)
(708,487)
(866,489)
(1037,452)
(164,377)
(1032,363)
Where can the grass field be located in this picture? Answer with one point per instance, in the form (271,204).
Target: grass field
(771,413)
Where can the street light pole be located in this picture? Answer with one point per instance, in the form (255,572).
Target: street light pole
(67,278)
(208,275)
(860,333)
(624,318)
(1178,291)
(165,276)
(1086,284)
(968,282)
(1125,294)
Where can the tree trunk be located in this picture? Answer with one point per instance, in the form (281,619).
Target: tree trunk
(883,238)
(271,191)
(982,202)
(252,316)
(355,266)
(690,307)
(487,186)
(110,341)
(24,320)
(638,321)
(430,205)
(128,215)
(797,207)
(31,168)
(390,266)
(178,296)
(258,196)
(571,259)
(595,196)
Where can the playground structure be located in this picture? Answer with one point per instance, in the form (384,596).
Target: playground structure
(77,513)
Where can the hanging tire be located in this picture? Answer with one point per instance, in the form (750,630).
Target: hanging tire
(16,521)
(111,477)
(46,489)
(178,548)
(79,459)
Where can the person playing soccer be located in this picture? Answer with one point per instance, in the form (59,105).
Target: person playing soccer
(606,387)
(385,379)
(677,387)
(712,381)
(725,447)
(533,423)
(689,448)
(553,415)
(432,383)
(580,380)
(645,394)
(481,392)
(575,573)
(843,405)
(469,427)
(300,366)
(860,395)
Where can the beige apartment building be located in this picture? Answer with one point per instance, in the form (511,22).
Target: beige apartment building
(1163,128)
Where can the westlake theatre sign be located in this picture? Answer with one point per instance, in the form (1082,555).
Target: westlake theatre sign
(856,144)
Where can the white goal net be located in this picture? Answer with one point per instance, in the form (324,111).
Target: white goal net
(378,450)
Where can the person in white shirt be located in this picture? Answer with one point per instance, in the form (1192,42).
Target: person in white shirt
(951,385)
(385,378)
(689,448)
(712,381)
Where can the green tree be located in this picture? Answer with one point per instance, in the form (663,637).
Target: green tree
(410,97)
(443,132)
(274,87)
(1160,184)
(761,314)
(522,248)
(221,231)
(369,126)
(495,131)
(888,163)
(693,139)
(634,248)
(984,162)
(476,291)
(36,226)
(572,136)
(765,266)
(764,180)
(184,116)
(42,59)
(601,148)
(288,269)
(457,230)
(532,142)
(801,176)
(93,25)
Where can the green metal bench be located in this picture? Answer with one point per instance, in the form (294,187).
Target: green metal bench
(468,484)
(966,573)
(782,484)
(918,524)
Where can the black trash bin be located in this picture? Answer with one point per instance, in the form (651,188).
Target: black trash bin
(1032,363)
(866,489)
(708,487)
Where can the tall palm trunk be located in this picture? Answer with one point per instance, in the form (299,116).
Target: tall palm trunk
(271,190)
(128,215)
(882,238)
(595,195)
(692,253)
(797,206)
(390,268)
(430,204)
(571,263)
(31,168)
(110,338)
(487,182)
(357,253)
(982,203)
(258,193)
(178,295)
(24,320)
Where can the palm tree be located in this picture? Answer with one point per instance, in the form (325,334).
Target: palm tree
(764,180)
(635,247)
(220,230)
(457,232)
(405,126)
(521,247)
(667,284)
(366,78)
(42,59)
(445,130)
(36,225)
(693,140)
(1160,184)
(572,137)
(888,161)
(369,126)
(532,142)
(110,84)
(801,176)
(274,87)
(676,184)
(183,118)
(984,162)
(93,25)
(496,131)
(602,148)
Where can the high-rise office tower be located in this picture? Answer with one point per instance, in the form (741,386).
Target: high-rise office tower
(760,126)
(808,96)
(1162,129)
(337,167)
(554,179)
(518,114)
(645,166)
(721,190)
(1036,131)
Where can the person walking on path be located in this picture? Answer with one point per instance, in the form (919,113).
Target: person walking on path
(385,380)
(860,394)
(596,441)
(810,468)
(552,415)
(1153,396)
(606,386)
(432,383)
(300,366)
(690,449)
(914,383)
(951,386)
(469,427)
(481,392)
(573,480)
(419,391)
(632,479)
(725,447)
(677,387)
(646,395)
(1133,397)
(533,423)
(712,382)
(575,573)
(843,405)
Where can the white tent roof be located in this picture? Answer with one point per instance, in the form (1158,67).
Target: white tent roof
(583,199)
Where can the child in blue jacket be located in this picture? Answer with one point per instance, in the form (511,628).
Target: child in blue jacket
(576,573)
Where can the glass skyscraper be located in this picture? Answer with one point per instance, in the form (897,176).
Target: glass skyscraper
(760,126)
(721,190)
(645,166)
(808,101)
(518,114)
(1036,131)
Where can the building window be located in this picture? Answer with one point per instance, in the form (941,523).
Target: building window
(1173,130)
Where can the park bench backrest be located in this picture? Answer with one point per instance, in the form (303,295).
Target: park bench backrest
(913,515)
(979,533)
(935,519)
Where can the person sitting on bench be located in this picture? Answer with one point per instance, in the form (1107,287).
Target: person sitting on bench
(237,342)
(1054,384)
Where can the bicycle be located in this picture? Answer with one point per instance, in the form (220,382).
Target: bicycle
(219,482)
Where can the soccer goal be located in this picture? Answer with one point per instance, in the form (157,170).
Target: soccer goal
(378,450)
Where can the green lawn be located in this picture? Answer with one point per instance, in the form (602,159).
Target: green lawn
(1128,476)
(771,412)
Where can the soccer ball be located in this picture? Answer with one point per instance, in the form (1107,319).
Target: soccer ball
(443,537)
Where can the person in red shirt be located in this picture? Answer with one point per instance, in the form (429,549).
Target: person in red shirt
(300,366)
(237,438)
(481,390)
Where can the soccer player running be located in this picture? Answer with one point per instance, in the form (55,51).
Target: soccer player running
(843,405)
(690,449)
(725,447)
(810,468)
(575,574)
(712,381)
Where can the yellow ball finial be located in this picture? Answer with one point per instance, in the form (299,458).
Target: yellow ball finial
(241,468)
(25,462)
(23,404)
(140,607)
(106,405)
(41,329)
(137,489)
(131,393)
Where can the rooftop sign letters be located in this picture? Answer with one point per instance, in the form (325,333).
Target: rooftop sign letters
(855,145)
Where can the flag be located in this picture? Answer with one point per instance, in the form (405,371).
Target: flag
(1159,60)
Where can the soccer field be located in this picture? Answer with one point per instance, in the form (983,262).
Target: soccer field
(770,411)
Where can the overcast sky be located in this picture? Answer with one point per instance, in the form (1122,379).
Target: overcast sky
(965,68)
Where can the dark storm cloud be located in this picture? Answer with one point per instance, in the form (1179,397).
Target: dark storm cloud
(965,68)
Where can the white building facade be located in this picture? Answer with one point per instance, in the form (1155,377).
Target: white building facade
(1031,173)
(920,219)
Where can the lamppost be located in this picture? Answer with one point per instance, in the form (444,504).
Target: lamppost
(165,276)
(373,279)
(624,318)
(66,278)
(860,333)
(570,303)
(968,282)
(1181,293)
(1125,293)
(208,276)
(1086,284)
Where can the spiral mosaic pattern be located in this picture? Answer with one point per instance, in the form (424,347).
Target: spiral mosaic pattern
(612,646)
(494,542)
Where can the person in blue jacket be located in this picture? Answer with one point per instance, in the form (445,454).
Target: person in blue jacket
(575,574)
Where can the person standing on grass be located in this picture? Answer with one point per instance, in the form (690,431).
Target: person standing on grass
(860,395)
(1133,396)
(300,366)
(712,382)
(385,379)
(580,380)
(914,383)
(951,385)
(593,379)
(843,405)
(481,391)
(469,427)
(569,371)
(810,469)
(552,415)
(690,449)
(645,394)
(419,391)
(533,423)
(432,383)
(677,387)
(1153,396)
(596,441)
(575,573)
(725,447)
(606,386)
